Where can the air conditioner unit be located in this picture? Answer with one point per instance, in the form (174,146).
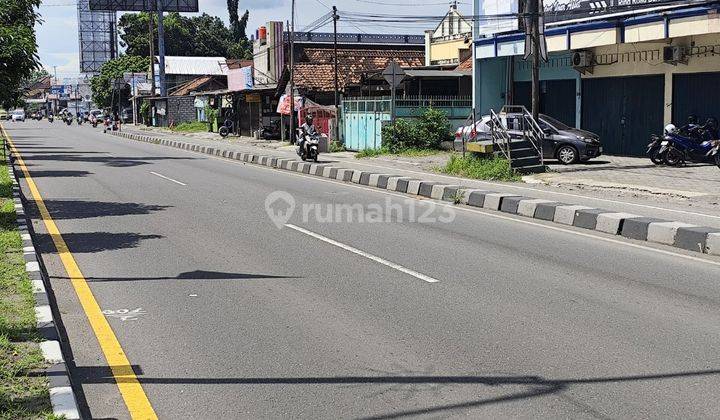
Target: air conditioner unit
(582,59)
(674,54)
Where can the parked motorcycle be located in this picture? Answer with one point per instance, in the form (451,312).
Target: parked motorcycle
(714,153)
(51,118)
(308,145)
(654,149)
(79,119)
(270,132)
(687,145)
(67,118)
(226,128)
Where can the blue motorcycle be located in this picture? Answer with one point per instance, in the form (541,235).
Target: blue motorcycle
(693,144)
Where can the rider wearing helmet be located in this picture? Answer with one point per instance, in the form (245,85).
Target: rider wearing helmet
(308,129)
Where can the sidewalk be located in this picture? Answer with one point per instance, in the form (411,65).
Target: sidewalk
(692,195)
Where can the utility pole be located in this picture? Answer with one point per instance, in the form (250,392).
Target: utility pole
(161,49)
(292,73)
(534,10)
(337,88)
(151,32)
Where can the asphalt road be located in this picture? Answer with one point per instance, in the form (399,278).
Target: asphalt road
(224,315)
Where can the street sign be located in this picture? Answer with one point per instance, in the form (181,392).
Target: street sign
(394,74)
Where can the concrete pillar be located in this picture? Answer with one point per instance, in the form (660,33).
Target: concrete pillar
(667,109)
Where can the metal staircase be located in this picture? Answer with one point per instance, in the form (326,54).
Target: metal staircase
(518,137)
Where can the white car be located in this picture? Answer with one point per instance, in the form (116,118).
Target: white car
(18,115)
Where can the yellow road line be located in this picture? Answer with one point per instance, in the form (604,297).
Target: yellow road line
(132,392)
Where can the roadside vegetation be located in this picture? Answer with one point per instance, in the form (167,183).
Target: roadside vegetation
(478,167)
(23,393)
(191,127)
(415,137)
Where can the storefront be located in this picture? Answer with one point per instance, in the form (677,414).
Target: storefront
(623,79)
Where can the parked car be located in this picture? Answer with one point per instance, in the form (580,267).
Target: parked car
(3,114)
(562,142)
(126,115)
(18,115)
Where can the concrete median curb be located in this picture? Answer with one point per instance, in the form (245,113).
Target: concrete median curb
(62,397)
(631,226)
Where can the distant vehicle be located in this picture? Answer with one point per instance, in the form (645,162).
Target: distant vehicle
(562,142)
(18,115)
(97,112)
(126,115)
(3,114)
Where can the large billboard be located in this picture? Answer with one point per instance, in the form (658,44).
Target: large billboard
(497,16)
(144,5)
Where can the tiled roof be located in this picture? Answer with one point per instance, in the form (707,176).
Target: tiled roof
(318,73)
(465,64)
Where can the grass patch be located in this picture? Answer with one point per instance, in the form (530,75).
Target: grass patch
(336,146)
(191,127)
(475,167)
(23,393)
(368,153)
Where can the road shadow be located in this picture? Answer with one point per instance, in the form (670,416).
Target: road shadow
(76,209)
(92,242)
(57,174)
(189,275)
(537,386)
(112,161)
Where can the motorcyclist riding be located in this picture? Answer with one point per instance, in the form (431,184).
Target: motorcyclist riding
(308,129)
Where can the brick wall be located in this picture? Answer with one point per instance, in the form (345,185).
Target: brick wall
(181,109)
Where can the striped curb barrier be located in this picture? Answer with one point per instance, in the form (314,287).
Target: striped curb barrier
(62,396)
(680,235)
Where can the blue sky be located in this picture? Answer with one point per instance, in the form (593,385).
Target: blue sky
(58,42)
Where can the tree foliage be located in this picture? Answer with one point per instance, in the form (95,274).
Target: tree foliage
(199,36)
(18,47)
(101,84)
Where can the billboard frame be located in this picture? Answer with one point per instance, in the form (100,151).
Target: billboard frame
(189,6)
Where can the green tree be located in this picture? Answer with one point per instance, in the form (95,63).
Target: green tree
(101,84)
(18,47)
(201,36)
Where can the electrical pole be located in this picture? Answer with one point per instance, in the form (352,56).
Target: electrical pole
(292,73)
(161,49)
(337,88)
(151,31)
(534,10)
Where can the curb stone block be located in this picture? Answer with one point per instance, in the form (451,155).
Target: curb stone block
(293,165)
(694,238)
(382,181)
(344,174)
(546,211)
(356,177)
(712,245)
(373,180)
(413,186)
(306,168)
(449,192)
(426,188)
(272,162)
(664,233)
(511,204)
(613,222)
(637,228)
(326,172)
(527,207)
(476,198)
(302,167)
(566,214)
(493,201)
(393,182)
(365,178)
(587,218)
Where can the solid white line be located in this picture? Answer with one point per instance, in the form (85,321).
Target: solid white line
(169,179)
(364,254)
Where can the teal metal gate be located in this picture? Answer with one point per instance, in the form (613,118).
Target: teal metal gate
(362,122)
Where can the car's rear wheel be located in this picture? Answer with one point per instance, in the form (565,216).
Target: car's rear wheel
(567,155)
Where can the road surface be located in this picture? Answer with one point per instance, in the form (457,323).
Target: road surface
(465,313)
